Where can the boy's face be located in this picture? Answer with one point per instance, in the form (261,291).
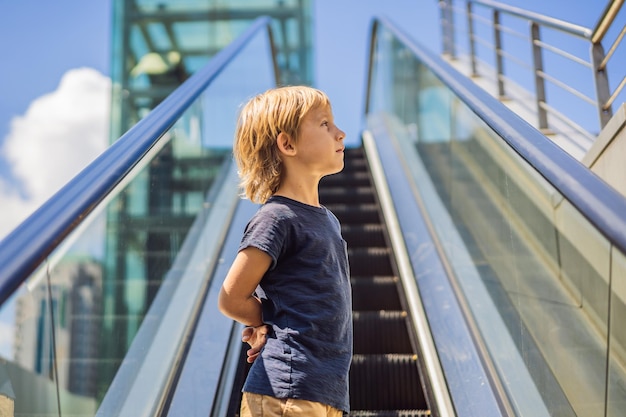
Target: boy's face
(320,142)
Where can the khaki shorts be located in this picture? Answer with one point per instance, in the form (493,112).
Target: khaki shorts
(256,405)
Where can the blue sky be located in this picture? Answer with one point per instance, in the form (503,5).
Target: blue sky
(41,40)
(57,53)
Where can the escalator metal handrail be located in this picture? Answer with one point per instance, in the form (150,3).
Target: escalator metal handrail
(598,202)
(27,246)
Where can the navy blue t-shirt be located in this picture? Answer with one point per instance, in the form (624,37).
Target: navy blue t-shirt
(306,299)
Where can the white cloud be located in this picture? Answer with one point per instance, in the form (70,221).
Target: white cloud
(59,135)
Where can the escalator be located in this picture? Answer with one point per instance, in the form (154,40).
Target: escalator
(385,378)
(447,205)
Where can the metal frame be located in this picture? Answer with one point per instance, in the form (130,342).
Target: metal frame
(597,63)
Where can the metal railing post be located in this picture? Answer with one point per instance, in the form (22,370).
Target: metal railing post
(443,23)
(601,79)
(447,27)
(540,85)
(451,29)
(497,38)
(598,57)
(472,41)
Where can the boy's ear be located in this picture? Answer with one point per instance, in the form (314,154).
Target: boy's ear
(285,144)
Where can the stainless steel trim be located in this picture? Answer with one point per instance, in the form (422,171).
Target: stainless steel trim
(416,309)
(597,64)
(574,58)
(606,20)
(611,99)
(566,87)
(612,49)
(231,363)
(541,19)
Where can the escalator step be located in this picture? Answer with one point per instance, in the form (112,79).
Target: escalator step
(389,413)
(375,293)
(370,261)
(384,375)
(355,213)
(330,195)
(362,235)
(386,382)
(346,179)
(354,154)
(378,332)
(353,165)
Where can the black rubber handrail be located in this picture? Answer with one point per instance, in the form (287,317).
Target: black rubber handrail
(598,202)
(26,247)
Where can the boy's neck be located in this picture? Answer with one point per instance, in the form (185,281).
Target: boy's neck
(307,194)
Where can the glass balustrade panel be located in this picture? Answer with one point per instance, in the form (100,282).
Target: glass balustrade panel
(67,330)
(535,273)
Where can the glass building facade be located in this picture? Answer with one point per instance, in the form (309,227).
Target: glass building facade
(157,45)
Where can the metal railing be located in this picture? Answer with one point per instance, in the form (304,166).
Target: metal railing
(597,62)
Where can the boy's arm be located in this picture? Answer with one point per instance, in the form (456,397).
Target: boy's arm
(236,299)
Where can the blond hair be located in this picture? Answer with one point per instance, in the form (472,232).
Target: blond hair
(260,121)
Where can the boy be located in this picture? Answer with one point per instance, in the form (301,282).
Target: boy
(290,282)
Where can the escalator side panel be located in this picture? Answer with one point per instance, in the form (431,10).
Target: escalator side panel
(468,382)
(202,375)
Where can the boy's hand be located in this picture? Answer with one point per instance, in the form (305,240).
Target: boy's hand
(256,338)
